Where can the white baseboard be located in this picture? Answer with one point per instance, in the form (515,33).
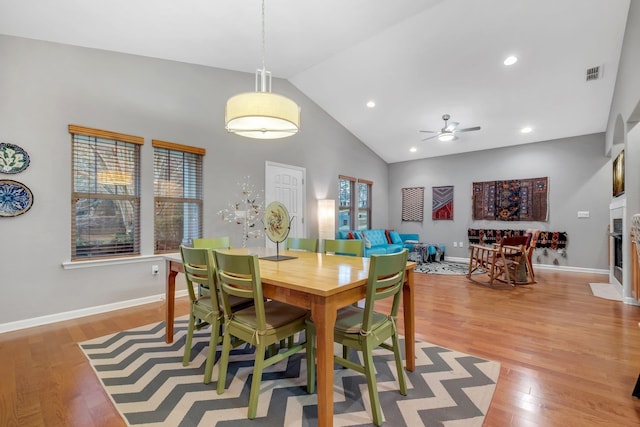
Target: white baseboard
(546,267)
(68,315)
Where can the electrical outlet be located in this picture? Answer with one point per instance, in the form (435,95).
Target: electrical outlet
(154,269)
(461,244)
(455,244)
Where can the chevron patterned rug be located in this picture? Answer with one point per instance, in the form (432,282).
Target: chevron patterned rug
(148,385)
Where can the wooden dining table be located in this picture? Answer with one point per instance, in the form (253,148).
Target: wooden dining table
(320,283)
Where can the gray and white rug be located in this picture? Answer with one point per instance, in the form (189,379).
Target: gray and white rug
(444,267)
(145,379)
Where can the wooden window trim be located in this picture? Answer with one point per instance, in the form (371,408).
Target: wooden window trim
(156,143)
(99,133)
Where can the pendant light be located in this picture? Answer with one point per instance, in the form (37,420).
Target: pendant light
(262,114)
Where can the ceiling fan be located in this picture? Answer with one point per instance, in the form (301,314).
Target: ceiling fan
(449,131)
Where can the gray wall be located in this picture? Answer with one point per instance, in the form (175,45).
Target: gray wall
(579,180)
(623,131)
(44,87)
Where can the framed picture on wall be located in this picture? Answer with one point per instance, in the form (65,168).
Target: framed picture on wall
(618,175)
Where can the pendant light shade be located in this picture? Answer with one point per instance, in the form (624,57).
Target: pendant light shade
(262,114)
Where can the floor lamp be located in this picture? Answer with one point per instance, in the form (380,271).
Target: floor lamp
(326,221)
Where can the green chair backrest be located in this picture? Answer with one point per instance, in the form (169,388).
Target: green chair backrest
(239,275)
(344,247)
(386,277)
(302,244)
(199,267)
(212,243)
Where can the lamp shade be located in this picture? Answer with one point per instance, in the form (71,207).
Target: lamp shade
(326,219)
(262,115)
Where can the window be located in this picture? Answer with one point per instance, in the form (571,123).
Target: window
(105,198)
(354,196)
(177,182)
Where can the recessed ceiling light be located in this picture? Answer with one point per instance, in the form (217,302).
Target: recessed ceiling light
(371,104)
(526,129)
(510,60)
(413,149)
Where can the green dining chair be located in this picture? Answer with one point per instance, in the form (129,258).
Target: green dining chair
(199,268)
(205,309)
(364,329)
(261,325)
(213,243)
(349,247)
(302,244)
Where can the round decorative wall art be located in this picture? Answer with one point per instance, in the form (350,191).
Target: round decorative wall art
(15,198)
(13,159)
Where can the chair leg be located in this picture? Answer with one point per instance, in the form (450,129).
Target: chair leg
(396,352)
(224,363)
(372,384)
(272,350)
(255,382)
(187,345)
(311,359)
(211,354)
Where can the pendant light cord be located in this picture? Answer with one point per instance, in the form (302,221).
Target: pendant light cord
(264,49)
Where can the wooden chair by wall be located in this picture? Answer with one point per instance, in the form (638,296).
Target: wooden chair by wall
(501,261)
(531,246)
(302,244)
(350,247)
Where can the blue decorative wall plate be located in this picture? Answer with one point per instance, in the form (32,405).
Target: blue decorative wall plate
(15,198)
(13,159)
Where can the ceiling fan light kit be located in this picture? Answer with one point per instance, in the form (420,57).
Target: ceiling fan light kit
(446,136)
(262,114)
(449,131)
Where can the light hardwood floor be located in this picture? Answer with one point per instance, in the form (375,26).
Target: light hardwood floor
(568,358)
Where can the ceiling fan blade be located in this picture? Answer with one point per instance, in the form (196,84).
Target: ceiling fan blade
(431,137)
(452,126)
(429,131)
(468,129)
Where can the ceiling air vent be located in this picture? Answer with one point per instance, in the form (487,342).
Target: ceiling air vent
(594,73)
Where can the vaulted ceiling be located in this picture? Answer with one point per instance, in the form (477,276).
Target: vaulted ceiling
(416,59)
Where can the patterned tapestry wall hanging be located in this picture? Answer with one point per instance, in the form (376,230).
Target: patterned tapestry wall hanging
(489,236)
(511,200)
(412,204)
(442,205)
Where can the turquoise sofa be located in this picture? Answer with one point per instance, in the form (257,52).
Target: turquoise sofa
(378,243)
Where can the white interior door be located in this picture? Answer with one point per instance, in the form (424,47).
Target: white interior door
(286,184)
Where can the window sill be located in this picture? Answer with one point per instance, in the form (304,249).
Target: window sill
(72,265)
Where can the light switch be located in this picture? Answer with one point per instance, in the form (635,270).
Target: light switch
(583,214)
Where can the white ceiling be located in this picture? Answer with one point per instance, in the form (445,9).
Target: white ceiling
(418,59)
